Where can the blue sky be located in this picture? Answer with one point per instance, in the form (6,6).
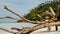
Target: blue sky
(19,6)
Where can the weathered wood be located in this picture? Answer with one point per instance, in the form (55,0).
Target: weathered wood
(8,17)
(32,29)
(23,31)
(16,29)
(33,22)
(5,7)
(52,11)
(24,19)
(39,16)
(44,25)
(7,30)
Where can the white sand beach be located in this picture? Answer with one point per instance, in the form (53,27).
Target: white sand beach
(21,25)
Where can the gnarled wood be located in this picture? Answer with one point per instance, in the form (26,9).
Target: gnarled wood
(39,27)
(32,29)
(5,7)
(33,22)
(24,19)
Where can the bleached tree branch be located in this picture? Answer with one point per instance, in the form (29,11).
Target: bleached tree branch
(33,22)
(32,29)
(7,30)
(40,16)
(8,17)
(24,31)
(52,11)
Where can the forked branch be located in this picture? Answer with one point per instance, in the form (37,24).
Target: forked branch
(32,29)
(33,22)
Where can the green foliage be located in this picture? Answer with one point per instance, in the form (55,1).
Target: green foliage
(32,15)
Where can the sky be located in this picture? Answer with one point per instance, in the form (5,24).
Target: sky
(19,6)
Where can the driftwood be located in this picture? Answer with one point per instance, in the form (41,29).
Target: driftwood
(52,11)
(22,18)
(41,26)
(39,16)
(32,29)
(6,30)
(8,17)
(28,30)
(33,22)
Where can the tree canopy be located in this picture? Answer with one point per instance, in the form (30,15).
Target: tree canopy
(32,15)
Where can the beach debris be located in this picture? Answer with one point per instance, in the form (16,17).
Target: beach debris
(27,30)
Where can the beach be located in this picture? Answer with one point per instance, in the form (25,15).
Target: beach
(8,26)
